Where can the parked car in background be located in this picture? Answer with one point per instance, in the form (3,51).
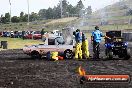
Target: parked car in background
(6,34)
(12,34)
(20,34)
(36,35)
(33,35)
(16,35)
(28,35)
(52,35)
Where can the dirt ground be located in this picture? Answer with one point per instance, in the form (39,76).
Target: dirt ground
(17,70)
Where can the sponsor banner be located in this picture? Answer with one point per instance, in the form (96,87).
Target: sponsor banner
(107,78)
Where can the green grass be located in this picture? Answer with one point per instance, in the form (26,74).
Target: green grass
(17,43)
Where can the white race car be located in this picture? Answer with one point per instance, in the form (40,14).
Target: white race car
(58,45)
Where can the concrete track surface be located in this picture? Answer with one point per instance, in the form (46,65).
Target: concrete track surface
(17,70)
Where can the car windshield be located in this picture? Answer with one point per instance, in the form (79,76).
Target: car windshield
(60,40)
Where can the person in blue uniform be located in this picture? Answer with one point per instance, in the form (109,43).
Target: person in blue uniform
(96,38)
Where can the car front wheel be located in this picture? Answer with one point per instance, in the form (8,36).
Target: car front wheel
(68,54)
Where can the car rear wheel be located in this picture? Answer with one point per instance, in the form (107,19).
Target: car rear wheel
(35,55)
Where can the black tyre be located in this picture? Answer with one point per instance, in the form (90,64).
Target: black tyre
(35,55)
(110,54)
(68,54)
(127,56)
(82,80)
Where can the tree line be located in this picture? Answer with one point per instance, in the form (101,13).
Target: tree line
(51,13)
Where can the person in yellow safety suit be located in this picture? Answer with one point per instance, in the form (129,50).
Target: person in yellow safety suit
(54,56)
(78,39)
(85,47)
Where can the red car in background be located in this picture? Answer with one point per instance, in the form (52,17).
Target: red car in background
(28,35)
(36,35)
(33,35)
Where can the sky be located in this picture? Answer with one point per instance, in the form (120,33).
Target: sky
(35,5)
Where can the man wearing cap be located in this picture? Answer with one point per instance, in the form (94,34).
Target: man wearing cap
(96,39)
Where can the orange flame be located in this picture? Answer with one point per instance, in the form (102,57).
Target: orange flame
(81,71)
